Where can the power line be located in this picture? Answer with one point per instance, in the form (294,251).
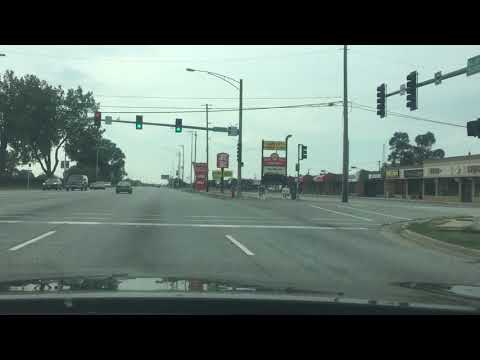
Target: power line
(228,110)
(215,98)
(392,113)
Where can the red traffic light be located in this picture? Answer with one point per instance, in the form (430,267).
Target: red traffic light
(98,118)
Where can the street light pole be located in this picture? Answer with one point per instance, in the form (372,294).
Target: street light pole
(345,129)
(208,169)
(286,155)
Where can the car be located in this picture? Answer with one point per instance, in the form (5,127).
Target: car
(124,186)
(98,185)
(52,183)
(79,182)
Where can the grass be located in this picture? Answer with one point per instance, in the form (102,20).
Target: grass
(465,238)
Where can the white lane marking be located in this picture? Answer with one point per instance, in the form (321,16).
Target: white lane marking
(233,217)
(19,246)
(341,213)
(246,226)
(240,245)
(373,212)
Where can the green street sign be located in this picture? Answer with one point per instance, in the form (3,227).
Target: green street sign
(473,65)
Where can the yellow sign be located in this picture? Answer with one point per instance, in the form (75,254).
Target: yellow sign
(274,145)
(392,173)
(217,174)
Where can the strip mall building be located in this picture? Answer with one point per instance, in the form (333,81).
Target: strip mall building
(449,179)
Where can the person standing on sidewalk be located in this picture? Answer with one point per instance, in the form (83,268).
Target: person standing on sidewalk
(261,192)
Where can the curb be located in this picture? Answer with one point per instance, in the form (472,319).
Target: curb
(412,235)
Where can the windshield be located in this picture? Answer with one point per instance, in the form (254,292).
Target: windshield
(346,169)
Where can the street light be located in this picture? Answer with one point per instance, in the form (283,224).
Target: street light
(232,82)
(286,154)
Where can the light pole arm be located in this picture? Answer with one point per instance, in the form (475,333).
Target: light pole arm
(225,78)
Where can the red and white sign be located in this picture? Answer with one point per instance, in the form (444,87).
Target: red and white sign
(222,160)
(274,160)
(201,171)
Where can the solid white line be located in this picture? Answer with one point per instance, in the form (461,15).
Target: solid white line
(240,245)
(32,240)
(341,213)
(373,212)
(245,226)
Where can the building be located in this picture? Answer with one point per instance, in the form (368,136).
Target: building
(450,179)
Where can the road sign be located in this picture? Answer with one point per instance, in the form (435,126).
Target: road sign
(108,120)
(473,65)
(232,131)
(222,160)
(402,89)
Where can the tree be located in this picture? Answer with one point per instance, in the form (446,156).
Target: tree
(401,150)
(50,118)
(403,153)
(10,110)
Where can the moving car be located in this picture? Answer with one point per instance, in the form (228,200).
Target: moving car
(124,186)
(79,182)
(52,183)
(98,185)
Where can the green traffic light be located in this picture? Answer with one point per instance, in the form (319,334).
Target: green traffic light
(178,129)
(139,126)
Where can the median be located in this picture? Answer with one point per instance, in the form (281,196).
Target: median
(460,233)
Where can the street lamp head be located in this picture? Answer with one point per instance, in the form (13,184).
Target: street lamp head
(2,55)
(289,136)
(189,69)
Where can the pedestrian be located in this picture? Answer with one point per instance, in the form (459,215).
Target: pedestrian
(261,192)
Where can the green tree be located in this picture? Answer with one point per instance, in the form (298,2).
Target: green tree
(401,150)
(10,111)
(50,118)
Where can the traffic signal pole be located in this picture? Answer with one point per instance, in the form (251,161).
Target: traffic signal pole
(240,163)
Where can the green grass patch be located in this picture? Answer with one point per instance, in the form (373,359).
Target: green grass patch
(463,238)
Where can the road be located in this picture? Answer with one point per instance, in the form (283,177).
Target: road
(321,245)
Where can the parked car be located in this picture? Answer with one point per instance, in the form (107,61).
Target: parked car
(52,183)
(79,182)
(124,186)
(98,185)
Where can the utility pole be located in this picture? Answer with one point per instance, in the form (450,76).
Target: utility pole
(298,170)
(183,164)
(191,159)
(240,162)
(345,129)
(208,169)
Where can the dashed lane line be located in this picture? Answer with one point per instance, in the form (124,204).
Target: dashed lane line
(239,245)
(19,246)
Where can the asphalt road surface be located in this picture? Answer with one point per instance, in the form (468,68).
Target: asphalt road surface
(321,245)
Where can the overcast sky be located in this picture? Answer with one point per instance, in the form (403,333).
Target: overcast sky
(122,75)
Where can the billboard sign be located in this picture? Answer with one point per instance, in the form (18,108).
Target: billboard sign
(217,174)
(274,165)
(222,160)
(274,145)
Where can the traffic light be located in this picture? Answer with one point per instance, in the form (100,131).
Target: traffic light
(473,128)
(139,122)
(412,101)
(178,125)
(304,152)
(98,118)
(238,152)
(381,100)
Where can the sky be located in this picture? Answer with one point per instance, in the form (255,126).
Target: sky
(133,78)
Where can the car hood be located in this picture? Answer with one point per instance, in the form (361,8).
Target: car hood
(460,297)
